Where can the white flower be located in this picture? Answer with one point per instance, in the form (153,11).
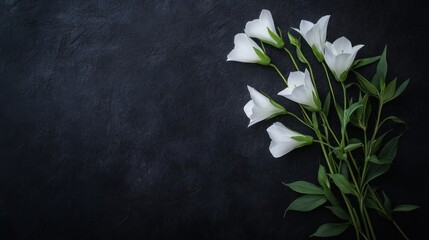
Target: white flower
(264,29)
(300,89)
(260,107)
(247,51)
(284,140)
(340,56)
(315,34)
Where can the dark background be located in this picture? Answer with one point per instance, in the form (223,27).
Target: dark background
(122,119)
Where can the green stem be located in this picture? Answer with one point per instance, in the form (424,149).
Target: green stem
(278,71)
(323,143)
(329,82)
(263,47)
(368,219)
(326,122)
(299,119)
(400,230)
(366,160)
(291,58)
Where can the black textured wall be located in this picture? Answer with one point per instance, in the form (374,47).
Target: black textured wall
(122,120)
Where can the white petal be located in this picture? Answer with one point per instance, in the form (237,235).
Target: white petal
(286,92)
(266,15)
(303,96)
(238,55)
(323,27)
(296,79)
(312,38)
(305,26)
(279,133)
(342,63)
(248,108)
(308,82)
(357,48)
(279,149)
(258,98)
(342,45)
(258,29)
(329,47)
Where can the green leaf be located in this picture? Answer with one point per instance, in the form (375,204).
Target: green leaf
(295,42)
(314,120)
(374,159)
(330,230)
(358,63)
(322,178)
(395,119)
(339,212)
(380,75)
(352,146)
(388,153)
(377,143)
(347,113)
(366,85)
(305,187)
(371,203)
(343,184)
(376,171)
(340,112)
(280,44)
(327,104)
(405,208)
(265,60)
(400,89)
(389,91)
(387,205)
(306,203)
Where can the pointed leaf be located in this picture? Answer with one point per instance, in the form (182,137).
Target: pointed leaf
(330,230)
(388,153)
(353,146)
(389,91)
(377,143)
(314,120)
(380,75)
(322,178)
(306,203)
(343,184)
(395,119)
(358,63)
(327,104)
(305,187)
(400,89)
(405,208)
(387,204)
(366,85)
(339,212)
(376,171)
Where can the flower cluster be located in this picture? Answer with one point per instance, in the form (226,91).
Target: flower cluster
(347,173)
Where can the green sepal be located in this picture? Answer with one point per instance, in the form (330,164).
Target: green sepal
(330,229)
(343,76)
(303,139)
(265,60)
(294,41)
(301,56)
(275,37)
(318,55)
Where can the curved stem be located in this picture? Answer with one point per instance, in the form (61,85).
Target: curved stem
(329,82)
(323,143)
(299,119)
(278,71)
(291,58)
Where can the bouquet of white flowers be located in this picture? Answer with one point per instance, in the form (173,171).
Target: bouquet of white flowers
(352,161)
